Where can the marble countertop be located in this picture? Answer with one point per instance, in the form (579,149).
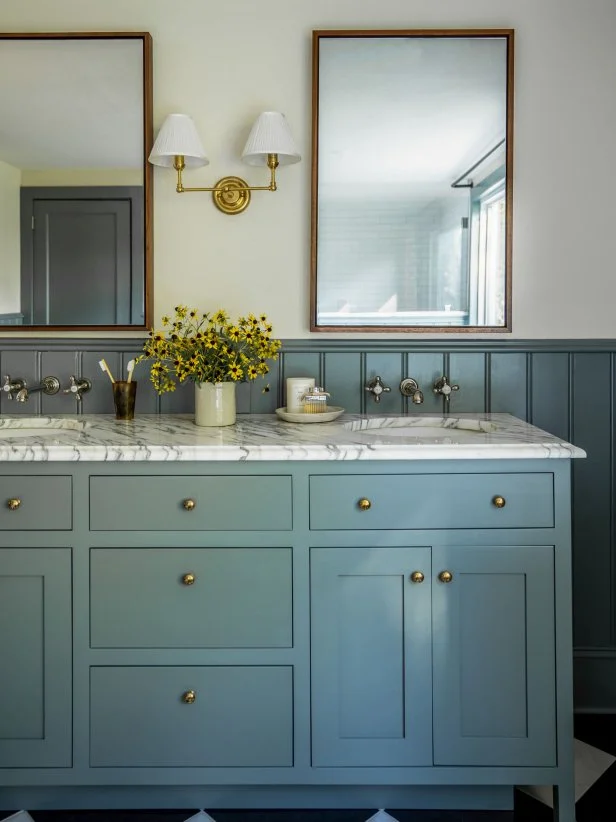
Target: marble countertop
(175,437)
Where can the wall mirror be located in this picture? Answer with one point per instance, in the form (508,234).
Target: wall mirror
(412,180)
(75,185)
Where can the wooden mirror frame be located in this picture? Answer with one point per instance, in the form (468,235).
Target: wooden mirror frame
(508,36)
(147,92)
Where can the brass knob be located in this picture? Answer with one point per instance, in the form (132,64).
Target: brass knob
(417,576)
(364,504)
(188,579)
(189,504)
(445,576)
(13,504)
(499,502)
(188,697)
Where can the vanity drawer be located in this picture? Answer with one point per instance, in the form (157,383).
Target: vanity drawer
(184,503)
(431,501)
(241,716)
(36,503)
(190,598)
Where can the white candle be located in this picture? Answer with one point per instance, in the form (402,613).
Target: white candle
(296,388)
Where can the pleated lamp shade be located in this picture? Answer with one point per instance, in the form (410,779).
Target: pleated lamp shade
(270,135)
(178,135)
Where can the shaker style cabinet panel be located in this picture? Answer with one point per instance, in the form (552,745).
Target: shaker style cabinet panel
(35,503)
(211,716)
(385,502)
(371,657)
(494,656)
(191,503)
(191,598)
(35,658)
(476,634)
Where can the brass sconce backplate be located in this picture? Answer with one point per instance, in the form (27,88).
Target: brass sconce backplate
(231,195)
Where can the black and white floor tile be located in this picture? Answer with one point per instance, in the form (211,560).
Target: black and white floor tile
(596,789)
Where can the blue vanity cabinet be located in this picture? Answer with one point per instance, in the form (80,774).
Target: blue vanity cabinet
(35,657)
(441,655)
(370,656)
(493,646)
(299,634)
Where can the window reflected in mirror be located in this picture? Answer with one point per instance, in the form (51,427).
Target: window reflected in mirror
(412,186)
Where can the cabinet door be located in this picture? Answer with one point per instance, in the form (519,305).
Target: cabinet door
(494,657)
(35,654)
(371,657)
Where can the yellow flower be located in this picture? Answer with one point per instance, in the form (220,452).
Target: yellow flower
(220,316)
(205,347)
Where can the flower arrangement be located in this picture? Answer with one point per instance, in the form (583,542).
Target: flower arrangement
(205,347)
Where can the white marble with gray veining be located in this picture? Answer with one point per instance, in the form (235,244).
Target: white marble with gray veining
(175,437)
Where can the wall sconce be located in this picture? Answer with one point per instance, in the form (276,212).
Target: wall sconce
(269,143)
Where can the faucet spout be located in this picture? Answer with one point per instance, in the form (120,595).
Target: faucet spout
(49,386)
(410,388)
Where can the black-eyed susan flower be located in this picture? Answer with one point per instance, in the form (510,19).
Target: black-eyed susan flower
(208,347)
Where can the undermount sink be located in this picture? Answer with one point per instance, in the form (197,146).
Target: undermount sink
(434,429)
(22,427)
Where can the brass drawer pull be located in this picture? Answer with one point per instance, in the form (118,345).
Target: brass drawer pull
(188,579)
(189,504)
(445,576)
(364,504)
(188,697)
(13,504)
(417,576)
(499,502)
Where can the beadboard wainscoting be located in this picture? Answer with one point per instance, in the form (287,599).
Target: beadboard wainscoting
(567,387)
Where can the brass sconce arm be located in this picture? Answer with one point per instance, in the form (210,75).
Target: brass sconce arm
(230,194)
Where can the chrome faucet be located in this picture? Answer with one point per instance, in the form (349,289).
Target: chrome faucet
(12,386)
(376,388)
(78,387)
(410,388)
(441,386)
(49,386)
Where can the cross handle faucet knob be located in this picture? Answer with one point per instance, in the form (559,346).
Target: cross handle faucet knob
(442,386)
(377,387)
(78,386)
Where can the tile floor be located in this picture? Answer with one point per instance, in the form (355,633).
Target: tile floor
(598,804)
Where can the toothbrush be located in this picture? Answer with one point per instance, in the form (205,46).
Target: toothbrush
(105,369)
(130,367)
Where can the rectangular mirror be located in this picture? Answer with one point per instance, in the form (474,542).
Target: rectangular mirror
(75,185)
(412,180)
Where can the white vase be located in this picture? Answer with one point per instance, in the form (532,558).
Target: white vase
(214,403)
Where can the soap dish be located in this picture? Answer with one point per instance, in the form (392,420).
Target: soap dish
(299,416)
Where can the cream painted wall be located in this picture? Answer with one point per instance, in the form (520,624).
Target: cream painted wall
(223,62)
(10,179)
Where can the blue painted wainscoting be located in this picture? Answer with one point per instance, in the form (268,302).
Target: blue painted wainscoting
(567,387)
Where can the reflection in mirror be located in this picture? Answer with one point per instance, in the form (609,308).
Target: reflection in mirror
(412,185)
(75,187)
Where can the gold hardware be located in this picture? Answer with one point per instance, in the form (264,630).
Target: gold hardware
(364,504)
(445,576)
(189,504)
(499,502)
(231,195)
(13,504)
(188,579)
(417,576)
(188,697)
